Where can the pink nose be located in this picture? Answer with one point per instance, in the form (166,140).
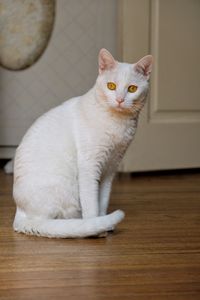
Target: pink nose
(120,100)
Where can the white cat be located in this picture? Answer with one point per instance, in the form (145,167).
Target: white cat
(66,162)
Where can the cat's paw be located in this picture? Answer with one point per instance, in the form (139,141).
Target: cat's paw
(106,233)
(103,234)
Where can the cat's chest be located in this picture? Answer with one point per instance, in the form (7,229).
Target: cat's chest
(110,143)
(102,140)
(119,138)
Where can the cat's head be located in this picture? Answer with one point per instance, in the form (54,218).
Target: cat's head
(123,87)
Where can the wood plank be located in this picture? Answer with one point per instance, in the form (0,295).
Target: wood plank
(154,253)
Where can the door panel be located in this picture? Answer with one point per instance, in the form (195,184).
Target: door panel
(176,45)
(168,136)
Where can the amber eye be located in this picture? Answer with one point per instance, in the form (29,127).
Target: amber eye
(111,86)
(132,88)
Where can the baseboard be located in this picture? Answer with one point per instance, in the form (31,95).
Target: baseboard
(7,152)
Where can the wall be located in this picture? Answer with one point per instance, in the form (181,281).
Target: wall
(67,68)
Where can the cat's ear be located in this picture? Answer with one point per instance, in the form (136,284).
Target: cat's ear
(144,65)
(106,60)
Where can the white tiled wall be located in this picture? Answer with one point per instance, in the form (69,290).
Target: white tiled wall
(67,68)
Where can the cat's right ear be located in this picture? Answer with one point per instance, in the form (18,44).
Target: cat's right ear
(106,60)
(144,65)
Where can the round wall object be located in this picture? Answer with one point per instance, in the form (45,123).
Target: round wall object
(25,29)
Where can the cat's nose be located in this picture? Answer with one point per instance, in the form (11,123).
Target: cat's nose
(120,100)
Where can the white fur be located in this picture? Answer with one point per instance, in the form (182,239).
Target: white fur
(66,162)
(8,168)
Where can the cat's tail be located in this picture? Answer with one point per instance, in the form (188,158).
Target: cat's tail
(8,168)
(67,228)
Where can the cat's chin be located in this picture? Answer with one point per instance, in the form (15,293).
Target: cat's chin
(119,108)
(120,111)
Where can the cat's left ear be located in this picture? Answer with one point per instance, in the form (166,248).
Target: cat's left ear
(144,65)
(106,60)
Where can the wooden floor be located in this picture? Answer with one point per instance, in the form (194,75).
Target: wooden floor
(154,254)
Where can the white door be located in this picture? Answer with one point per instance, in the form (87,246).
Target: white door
(168,136)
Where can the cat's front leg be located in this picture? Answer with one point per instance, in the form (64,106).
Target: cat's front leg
(104,193)
(88,190)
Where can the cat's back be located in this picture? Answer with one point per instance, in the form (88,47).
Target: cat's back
(52,124)
(50,139)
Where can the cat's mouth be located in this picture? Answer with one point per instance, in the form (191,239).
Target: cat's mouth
(120,107)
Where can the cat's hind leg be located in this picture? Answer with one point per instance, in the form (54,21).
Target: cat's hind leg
(38,213)
(47,197)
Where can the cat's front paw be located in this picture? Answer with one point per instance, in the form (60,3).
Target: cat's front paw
(106,233)
(111,230)
(103,234)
